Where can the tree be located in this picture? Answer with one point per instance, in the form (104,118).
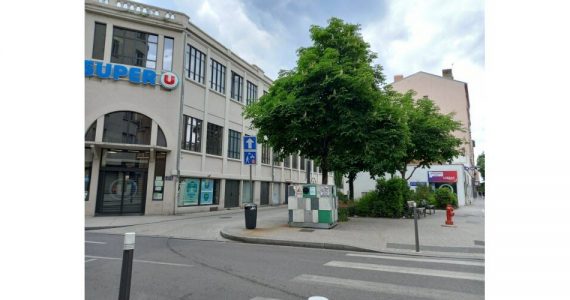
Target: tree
(431,138)
(320,107)
(481,164)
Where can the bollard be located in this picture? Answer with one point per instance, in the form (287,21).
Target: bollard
(416,227)
(127,268)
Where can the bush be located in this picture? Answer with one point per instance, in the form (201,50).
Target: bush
(392,196)
(425,193)
(341,196)
(343,214)
(445,196)
(363,206)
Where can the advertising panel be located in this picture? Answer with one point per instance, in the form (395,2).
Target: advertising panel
(207,194)
(189,191)
(442,176)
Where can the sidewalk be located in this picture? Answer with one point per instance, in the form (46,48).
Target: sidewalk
(465,240)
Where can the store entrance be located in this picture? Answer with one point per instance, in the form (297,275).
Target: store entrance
(122,182)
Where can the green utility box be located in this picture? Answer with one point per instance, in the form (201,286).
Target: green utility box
(313,206)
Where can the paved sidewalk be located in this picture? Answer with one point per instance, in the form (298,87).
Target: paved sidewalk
(465,240)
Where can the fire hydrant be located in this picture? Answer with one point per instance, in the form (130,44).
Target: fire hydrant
(449,215)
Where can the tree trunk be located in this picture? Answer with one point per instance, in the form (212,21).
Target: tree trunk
(324,173)
(351,177)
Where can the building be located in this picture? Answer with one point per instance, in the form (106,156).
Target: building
(163,123)
(451,96)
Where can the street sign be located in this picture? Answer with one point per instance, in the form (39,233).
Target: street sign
(249,158)
(249,150)
(249,143)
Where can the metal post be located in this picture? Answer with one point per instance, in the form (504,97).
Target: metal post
(127,268)
(250,183)
(416,227)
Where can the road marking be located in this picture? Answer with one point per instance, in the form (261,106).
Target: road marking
(405,270)
(92,242)
(262,298)
(89,260)
(142,261)
(419,259)
(387,288)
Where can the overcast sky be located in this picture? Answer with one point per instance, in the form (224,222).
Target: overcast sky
(408,35)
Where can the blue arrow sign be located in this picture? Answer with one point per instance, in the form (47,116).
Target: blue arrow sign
(249,158)
(249,143)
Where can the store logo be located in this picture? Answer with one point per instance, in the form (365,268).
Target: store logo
(136,75)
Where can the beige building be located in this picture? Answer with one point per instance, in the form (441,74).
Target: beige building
(163,123)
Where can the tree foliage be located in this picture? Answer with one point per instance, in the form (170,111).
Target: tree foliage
(481,164)
(430,133)
(320,107)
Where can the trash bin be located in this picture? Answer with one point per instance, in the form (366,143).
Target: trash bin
(250,210)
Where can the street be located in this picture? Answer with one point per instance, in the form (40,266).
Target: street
(169,268)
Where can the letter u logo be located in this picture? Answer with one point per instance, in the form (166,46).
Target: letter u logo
(169,79)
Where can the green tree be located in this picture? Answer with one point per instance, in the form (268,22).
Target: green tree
(431,138)
(320,107)
(481,164)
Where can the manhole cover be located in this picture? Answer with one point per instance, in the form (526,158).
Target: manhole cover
(306,230)
(225,217)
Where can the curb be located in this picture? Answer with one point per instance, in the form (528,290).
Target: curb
(330,246)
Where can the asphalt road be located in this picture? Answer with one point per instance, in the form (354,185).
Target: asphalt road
(167,268)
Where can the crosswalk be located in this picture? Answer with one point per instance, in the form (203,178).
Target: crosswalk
(446,278)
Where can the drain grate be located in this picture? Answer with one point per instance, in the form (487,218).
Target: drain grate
(306,230)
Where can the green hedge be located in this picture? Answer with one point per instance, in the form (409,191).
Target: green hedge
(388,200)
(445,196)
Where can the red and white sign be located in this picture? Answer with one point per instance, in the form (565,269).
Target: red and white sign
(168,80)
(442,176)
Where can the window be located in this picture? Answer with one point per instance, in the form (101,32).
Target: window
(275,160)
(167,55)
(314,167)
(88,165)
(303,163)
(265,150)
(287,162)
(214,139)
(99,40)
(132,47)
(160,138)
(192,134)
(251,93)
(199,191)
(159,168)
(234,144)
(195,64)
(237,87)
(90,134)
(295,159)
(127,127)
(218,77)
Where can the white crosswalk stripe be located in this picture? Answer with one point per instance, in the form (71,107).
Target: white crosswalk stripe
(406,270)
(421,259)
(383,287)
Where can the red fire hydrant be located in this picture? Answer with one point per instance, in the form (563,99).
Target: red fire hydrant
(449,215)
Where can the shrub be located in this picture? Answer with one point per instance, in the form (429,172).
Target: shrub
(343,214)
(392,196)
(363,206)
(342,196)
(445,196)
(425,193)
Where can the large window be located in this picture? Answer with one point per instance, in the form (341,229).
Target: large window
(295,159)
(275,160)
(265,153)
(192,134)
(214,141)
(167,53)
(90,134)
(88,165)
(234,144)
(218,77)
(195,64)
(127,127)
(287,162)
(251,93)
(199,191)
(99,40)
(132,47)
(303,163)
(237,87)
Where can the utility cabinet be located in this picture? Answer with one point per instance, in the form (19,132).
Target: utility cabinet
(313,206)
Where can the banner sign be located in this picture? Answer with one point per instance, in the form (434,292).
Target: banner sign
(207,193)
(442,176)
(189,191)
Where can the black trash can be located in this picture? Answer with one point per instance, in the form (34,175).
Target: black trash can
(250,210)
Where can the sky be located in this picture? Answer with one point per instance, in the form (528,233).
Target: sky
(409,36)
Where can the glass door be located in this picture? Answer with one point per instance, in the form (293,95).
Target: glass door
(121,192)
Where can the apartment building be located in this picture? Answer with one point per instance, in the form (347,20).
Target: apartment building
(163,118)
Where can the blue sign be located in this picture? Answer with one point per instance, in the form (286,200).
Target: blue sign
(136,75)
(249,143)
(249,158)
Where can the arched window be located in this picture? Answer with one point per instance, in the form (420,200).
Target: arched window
(127,127)
(160,138)
(90,134)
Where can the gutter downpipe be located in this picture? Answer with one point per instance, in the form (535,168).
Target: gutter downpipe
(180,120)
